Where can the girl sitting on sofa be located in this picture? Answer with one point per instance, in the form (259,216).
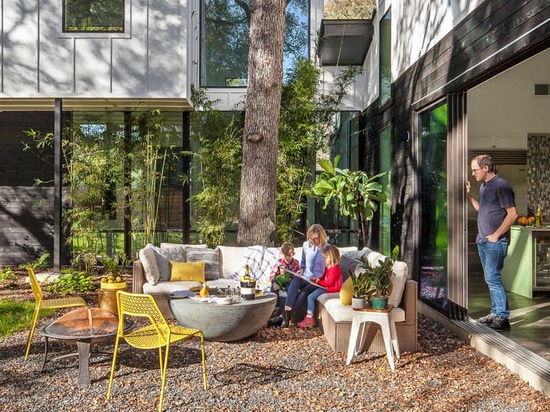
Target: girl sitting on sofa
(330,282)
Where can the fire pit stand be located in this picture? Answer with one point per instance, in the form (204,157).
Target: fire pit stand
(84,327)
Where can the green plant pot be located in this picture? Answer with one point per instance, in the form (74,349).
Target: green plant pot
(379,303)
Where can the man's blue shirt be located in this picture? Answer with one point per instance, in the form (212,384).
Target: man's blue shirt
(495,196)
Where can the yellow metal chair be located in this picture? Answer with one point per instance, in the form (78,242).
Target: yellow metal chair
(158,334)
(43,304)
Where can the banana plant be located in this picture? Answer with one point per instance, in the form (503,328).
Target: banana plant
(355,193)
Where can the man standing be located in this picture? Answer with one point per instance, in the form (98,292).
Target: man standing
(496,214)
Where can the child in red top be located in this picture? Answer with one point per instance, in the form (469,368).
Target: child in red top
(331,281)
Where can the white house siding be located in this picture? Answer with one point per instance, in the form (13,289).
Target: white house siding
(417,25)
(149,60)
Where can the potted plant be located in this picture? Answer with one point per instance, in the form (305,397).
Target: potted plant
(114,268)
(112,281)
(380,277)
(362,288)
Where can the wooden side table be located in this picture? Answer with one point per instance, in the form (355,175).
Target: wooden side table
(359,329)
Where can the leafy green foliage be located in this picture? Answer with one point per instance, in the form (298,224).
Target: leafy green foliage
(85,260)
(218,160)
(7,276)
(349,9)
(354,192)
(115,265)
(362,285)
(71,281)
(41,263)
(154,159)
(378,277)
(306,127)
(92,167)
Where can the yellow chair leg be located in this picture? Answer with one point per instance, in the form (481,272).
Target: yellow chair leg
(31,331)
(113,366)
(203,363)
(163,376)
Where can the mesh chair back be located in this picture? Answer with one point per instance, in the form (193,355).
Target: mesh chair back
(36,289)
(140,305)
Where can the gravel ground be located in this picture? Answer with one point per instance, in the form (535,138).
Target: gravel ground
(274,370)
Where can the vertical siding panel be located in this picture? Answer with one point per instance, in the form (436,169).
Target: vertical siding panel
(20,50)
(167,44)
(93,66)
(55,60)
(129,65)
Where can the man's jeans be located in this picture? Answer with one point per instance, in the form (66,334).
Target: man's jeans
(492,256)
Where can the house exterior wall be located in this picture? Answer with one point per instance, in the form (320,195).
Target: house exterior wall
(149,60)
(416,26)
(26,211)
(466,46)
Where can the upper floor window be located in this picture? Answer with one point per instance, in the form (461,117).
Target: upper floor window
(225,26)
(93,16)
(385,58)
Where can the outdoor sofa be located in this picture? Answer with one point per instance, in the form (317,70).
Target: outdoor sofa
(225,264)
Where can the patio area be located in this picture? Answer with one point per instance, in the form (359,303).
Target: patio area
(276,369)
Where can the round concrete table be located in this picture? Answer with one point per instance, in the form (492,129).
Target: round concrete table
(224,323)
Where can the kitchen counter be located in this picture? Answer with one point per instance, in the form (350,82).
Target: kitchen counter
(527,265)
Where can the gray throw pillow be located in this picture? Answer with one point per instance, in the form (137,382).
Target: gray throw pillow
(163,256)
(211,257)
(349,260)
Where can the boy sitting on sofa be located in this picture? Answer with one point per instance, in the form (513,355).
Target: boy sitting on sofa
(281,278)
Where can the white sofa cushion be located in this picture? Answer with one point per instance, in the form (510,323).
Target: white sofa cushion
(231,259)
(399,279)
(150,268)
(165,288)
(341,313)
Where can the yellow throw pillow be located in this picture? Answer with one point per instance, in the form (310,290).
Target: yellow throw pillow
(190,271)
(346,292)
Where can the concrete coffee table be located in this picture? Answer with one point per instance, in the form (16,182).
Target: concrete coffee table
(224,323)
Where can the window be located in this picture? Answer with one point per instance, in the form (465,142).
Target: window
(225,27)
(385,207)
(93,16)
(106,192)
(385,58)
(433,206)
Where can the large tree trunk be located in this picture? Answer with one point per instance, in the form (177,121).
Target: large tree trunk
(261,126)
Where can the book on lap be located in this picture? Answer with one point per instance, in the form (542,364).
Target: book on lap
(298,275)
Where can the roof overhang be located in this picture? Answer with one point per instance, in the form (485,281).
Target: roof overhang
(344,42)
(93,104)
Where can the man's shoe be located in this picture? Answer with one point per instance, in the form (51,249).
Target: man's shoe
(275,321)
(500,324)
(487,320)
(308,322)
